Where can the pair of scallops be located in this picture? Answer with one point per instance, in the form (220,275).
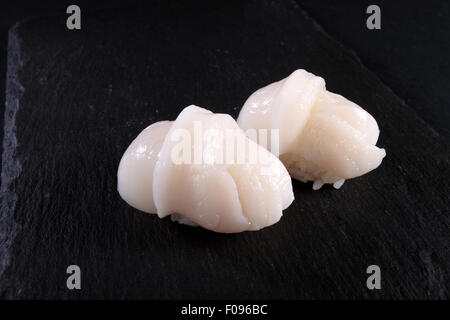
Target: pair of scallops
(193,171)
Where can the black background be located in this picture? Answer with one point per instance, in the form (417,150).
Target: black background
(391,215)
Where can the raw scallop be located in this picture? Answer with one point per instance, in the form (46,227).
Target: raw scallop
(224,196)
(323,137)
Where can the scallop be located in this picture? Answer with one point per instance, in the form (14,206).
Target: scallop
(322,136)
(186,169)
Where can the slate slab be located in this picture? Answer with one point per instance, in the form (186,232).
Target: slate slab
(75,100)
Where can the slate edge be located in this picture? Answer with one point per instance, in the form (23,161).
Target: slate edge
(11,166)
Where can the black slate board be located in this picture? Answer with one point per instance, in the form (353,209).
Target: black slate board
(75,100)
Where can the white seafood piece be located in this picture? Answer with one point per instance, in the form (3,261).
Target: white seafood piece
(224,196)
(323,137)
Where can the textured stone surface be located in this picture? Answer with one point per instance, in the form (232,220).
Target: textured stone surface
(76,99)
